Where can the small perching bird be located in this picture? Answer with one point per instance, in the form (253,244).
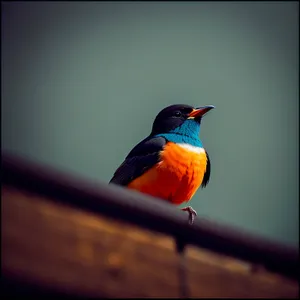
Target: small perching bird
(171,163)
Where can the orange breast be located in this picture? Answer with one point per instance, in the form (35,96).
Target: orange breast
(177,176)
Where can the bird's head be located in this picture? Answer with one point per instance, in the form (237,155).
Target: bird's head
(181,119)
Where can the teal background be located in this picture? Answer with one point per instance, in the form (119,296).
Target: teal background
(83,81)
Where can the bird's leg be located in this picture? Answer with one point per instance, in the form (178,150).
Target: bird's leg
(192,213)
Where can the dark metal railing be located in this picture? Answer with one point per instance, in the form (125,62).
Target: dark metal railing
(148,212)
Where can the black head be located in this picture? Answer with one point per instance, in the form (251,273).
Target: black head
(173,116)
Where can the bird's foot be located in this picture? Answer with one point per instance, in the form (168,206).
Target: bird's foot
(192,214)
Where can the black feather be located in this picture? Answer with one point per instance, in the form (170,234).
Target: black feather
(139,160)
(207,173)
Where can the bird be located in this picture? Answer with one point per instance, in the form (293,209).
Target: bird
(171,162)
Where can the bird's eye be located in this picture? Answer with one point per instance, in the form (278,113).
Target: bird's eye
(177,113)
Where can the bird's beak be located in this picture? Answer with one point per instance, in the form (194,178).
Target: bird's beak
(200,111)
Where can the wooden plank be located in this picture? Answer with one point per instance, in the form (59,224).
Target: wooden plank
(213,277)
(148,212)
(65,249)
(79,252)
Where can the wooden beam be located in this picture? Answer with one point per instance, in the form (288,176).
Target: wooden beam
(63,249)
(149,213)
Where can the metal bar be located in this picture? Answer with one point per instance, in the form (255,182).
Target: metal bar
(148,212)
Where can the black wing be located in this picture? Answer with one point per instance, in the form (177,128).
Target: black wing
(207,173)
(140,159)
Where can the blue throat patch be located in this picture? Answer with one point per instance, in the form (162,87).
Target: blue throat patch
(187,133)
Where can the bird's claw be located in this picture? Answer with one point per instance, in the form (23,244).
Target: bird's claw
(192,214)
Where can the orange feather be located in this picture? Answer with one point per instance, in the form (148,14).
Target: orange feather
(176,177)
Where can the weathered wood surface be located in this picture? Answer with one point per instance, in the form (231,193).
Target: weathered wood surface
(69,250)
(149,213)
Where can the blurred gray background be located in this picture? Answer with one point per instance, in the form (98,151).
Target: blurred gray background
(82,83)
